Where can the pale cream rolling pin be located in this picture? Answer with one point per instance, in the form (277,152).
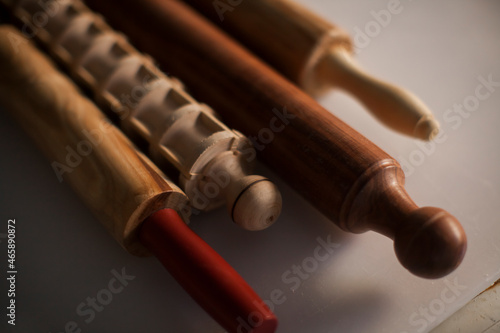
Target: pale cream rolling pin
(317,55)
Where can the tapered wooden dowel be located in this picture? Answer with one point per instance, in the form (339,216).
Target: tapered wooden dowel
(138,205)
(317,55)
(344,175)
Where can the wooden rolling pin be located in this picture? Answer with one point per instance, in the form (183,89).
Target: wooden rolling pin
(344,175)
(213,163)
(316,55)
(138,205)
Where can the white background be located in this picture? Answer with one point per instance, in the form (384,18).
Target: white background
(437,50)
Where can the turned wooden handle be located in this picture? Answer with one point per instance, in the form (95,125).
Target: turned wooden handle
(317,56)
(208,278)
(119,185)
(429,241)
(338,170)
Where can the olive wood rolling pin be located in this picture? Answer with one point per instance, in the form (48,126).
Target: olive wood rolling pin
(136,203)
(316,55)
(213,163)
(344,175)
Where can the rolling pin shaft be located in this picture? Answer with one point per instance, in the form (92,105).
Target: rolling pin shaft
(347,177)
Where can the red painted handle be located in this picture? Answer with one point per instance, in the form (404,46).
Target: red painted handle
(205,275)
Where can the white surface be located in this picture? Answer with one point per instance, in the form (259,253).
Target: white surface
(481,315)
(436,49)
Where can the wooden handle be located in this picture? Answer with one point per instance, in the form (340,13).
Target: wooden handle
(394,106)
(154,109)
(324,159)
(210,280)
(317,55)
(429,241)
(119,185)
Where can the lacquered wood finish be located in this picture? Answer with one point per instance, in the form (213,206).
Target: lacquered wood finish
(281,32)
(344,175)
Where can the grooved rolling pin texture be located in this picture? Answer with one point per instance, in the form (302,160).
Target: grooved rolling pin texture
(155,109)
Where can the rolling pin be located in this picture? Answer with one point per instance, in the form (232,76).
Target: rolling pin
(136,203)
(344,175)
(316,55)
(213,163)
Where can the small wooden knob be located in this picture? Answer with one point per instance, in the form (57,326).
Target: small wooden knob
(431,243)
(428,241)
(253,201)
(257,204)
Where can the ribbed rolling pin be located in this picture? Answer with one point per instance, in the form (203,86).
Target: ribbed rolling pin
(129,195)
(214,163)
(316,55)
(344,175)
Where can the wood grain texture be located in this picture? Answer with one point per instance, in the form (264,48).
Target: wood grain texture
(339,171)
(182,136)
(291,39)
(120,186)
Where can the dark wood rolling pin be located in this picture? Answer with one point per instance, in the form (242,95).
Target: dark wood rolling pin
(344,175)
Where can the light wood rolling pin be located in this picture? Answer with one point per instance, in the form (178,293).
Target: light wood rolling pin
(212,162)
(119,186)
(316,55)
(129,195)
(344,175)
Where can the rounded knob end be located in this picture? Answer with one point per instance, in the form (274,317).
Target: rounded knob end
(427,128)
(431,244)
(257,205)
